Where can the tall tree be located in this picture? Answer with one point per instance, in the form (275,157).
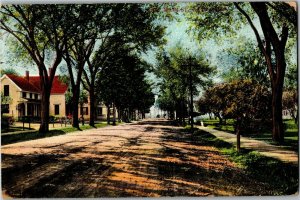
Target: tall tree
(183,73)
(122,84)
(79,45)
(38,28)
(134,25)
(276,24)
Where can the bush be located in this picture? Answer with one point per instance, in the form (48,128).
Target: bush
(4,122)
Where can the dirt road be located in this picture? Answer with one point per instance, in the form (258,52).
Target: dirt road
(150,158)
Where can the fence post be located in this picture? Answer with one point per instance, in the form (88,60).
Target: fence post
(29,121)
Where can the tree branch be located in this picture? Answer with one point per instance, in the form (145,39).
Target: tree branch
(259,41)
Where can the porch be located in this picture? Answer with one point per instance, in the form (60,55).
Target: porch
(29,108)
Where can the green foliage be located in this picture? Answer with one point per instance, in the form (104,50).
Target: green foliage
(8,71)
(32,135)
(173,72)
(243,99)
(282,177)
(247,99)
(220,20)
(5,99)
(260,132)
(244,61)
(37,28)
(290,103)
(122,82)
(291,78)
(83,97)
(214,20)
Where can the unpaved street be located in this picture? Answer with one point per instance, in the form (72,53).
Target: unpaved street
(150,158)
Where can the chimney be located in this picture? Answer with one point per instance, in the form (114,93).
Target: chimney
(50,70)
(27,75)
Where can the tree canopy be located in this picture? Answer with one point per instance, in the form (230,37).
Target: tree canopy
(220,19)
(176,69)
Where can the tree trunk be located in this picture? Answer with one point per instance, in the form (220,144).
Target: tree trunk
(92,106)
(114,114)
(238,137)
(277,123)
(219,117)
(273,43)
(191,96)
(81,111)
(75,102)
(45,102)
(108,114)
(120,114)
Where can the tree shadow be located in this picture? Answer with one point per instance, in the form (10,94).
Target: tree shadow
(174,163)
(25,136)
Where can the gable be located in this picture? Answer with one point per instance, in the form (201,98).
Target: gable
(5,80)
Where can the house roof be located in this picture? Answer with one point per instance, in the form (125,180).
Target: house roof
(33,85)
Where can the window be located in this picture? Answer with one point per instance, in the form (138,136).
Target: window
(5,108)
(30,95)
(56,109)
(36,96)
(84,111)
(6,90)
(24,94)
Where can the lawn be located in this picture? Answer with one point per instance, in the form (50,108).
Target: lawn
(31,135)
(283,177)
(291,132)
(15,129)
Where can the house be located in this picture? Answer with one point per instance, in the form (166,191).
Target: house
(100,112)
(25,95)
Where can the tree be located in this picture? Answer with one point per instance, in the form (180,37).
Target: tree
(83,98)
(5,100)
(290,103)
(276,24)
(8,71)
(183,73)
(38,29)
(167,103)
(135,27)
(122,84)
(214,97)
(243,61)
(243,100)
(291,80)
(80,44)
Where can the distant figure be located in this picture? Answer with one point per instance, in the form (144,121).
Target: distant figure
(165,116)
(202,124)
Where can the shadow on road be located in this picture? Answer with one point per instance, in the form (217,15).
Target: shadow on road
(159,161)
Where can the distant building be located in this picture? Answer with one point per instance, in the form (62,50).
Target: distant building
(100,111)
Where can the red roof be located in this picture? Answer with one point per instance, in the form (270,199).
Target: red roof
(33,85)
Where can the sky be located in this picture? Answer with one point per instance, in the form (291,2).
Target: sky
(176,32)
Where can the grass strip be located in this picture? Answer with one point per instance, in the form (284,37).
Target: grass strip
(283,177)
(32,135)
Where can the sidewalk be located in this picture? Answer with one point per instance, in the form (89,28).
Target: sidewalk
(262,147)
